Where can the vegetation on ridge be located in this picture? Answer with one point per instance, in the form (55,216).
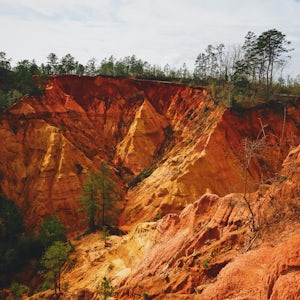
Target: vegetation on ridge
(250,76)
(253,70)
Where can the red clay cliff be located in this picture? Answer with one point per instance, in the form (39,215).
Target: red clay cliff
(189,226)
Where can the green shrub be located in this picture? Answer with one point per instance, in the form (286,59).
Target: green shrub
(205,263)
(18,290)
(105,288)
(51,230)
(145,295)
(46,285)
(138,96)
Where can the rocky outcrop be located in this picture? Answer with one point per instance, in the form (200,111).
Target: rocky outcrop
(189,144)
(213,159)
(144,138)
(53,141)
(179,161)
(191,248)
(267,273)
(208,251)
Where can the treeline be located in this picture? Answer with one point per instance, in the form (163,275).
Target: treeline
(236,73)
(18,81)
(127,66)
(248,72)
(28,78)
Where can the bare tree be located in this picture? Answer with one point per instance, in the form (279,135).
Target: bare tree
(231,56)
(252,149)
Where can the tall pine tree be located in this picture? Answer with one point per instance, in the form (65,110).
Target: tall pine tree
(99,196)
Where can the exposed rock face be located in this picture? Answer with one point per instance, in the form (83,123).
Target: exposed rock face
(192,145)
(188,262)
(267,273)
(189,225)
(144,139)
(189,249)
(205,251)
(202,253)
(212,159)
(51,142)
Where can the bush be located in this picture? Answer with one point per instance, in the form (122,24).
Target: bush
(51,230)
(205,263)
(46,285)
(105,289)
(146,296)
(11,230)
(18,290)
(16,246)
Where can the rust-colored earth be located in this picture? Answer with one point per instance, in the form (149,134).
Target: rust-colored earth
(191,234)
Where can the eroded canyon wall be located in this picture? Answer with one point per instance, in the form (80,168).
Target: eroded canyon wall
(50,143)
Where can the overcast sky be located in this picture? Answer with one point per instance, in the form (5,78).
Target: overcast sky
(158,31)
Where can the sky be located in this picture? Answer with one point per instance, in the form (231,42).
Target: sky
(158,31)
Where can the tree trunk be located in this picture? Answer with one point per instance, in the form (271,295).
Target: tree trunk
(55,286)
(103,203)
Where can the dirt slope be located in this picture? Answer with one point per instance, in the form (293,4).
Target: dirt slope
(188,224)
(208,251)
(192,145)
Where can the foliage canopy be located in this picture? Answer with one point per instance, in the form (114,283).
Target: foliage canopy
(51,230)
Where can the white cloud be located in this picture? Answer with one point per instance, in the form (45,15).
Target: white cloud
(160,31)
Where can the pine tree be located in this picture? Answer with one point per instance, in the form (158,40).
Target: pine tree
(52,261)
(99,196)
